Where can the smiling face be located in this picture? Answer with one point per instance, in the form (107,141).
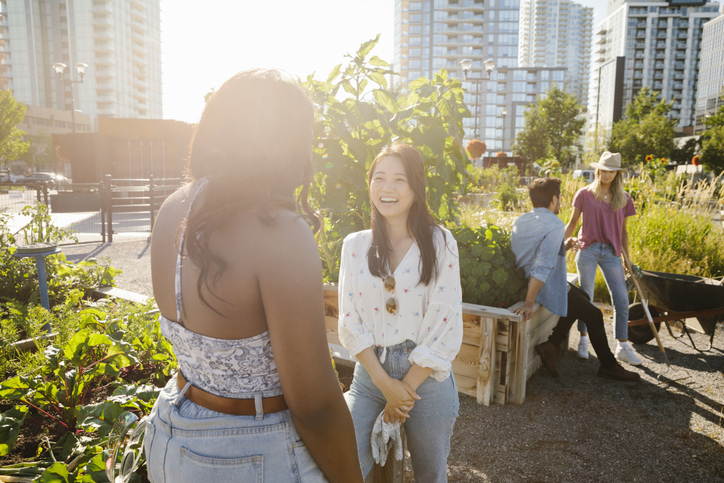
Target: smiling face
(390,190)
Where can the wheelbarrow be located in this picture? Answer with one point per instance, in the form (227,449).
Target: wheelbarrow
(697,302)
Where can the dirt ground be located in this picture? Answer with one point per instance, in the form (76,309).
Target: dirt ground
(576,428)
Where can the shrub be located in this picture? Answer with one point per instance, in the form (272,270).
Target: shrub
(488,274)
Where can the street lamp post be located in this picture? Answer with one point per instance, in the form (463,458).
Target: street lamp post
(504,112)
(467,65)
(60,70)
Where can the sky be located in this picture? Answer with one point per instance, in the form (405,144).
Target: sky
(205,43)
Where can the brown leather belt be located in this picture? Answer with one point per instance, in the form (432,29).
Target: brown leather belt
(220,404)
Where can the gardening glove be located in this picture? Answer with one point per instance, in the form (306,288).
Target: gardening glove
(384,437)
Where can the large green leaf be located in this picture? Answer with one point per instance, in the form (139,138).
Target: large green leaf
(335,72)
(57,473)
(367,47)
(386,100)
(10,423)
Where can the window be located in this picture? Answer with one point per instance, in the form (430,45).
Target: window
(414,52)
(413,64)
(415,6)
(415,17)
(414,40)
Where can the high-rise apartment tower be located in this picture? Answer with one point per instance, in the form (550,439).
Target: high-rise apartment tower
(435,34)
(557,33)
(710,96)
(120,41)
(660,43)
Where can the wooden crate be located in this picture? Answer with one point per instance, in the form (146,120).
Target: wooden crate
(497,355)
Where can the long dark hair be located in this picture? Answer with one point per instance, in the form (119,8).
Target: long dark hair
(254,147)
(420,222)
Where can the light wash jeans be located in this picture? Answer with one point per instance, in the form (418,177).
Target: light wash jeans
(185,442)
(431,421)
(601,255)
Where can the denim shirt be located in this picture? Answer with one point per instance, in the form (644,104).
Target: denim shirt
(537,241)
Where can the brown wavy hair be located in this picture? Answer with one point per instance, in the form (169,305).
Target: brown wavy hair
(253,144)
(420,222)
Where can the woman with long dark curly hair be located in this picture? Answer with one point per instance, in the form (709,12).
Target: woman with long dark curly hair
(401,316)
(238,280)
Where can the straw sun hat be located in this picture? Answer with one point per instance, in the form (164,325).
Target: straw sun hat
(609,162)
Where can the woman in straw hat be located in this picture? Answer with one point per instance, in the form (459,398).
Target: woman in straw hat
(605,207)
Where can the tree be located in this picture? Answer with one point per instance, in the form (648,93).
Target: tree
(532,142)
(683,154)
(644,130)
(12,113)
(597,138)
(552,126)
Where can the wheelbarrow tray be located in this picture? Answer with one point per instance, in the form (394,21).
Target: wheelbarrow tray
(681,293)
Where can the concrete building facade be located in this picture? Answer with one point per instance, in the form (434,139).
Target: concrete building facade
(660,41)
(710,96)
(119,41)
(435,34)
(557,33)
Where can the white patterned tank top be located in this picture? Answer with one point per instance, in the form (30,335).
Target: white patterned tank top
(236,368)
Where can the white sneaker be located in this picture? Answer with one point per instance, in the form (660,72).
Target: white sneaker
(626,354)
(582,352)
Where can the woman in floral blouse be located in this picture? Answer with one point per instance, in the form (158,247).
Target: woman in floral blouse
(401,315)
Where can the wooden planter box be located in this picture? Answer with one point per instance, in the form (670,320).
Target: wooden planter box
(497,355)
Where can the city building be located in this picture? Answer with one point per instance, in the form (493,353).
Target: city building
(39,125)
(508,93)
(660,43)
(557,34)
(435,34)
(710,96)
(118,40)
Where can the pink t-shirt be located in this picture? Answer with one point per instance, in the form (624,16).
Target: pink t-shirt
(600,223)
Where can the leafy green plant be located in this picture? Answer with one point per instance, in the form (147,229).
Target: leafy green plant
(488,274)
(19,277)
(487,180)
(352,130)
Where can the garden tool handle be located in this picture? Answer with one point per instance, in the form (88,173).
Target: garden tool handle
(627,260)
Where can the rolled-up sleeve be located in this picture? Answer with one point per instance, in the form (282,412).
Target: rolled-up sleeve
(441,333)
(547,254)
(353,334)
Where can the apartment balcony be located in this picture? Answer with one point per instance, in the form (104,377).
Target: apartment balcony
(680,45)
(103,60)
(103,34)
(102,7)
(103,21)
(106,98)
(658,85)
(107,112)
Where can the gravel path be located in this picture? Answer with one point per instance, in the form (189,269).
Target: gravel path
(576,428)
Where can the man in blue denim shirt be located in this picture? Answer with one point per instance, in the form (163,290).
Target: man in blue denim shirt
(537,241)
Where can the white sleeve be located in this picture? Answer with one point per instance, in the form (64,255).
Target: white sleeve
(442,325)
(353,334)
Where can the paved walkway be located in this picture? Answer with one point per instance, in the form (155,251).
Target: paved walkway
(133,258)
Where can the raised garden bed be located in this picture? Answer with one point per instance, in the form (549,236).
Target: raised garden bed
(498,352)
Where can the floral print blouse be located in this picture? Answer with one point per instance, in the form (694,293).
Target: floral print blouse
(429,315)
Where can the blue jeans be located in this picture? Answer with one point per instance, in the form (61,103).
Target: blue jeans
(431,421)
(185,442)
(601,255)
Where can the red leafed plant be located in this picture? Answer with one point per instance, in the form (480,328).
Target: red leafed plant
(696,161)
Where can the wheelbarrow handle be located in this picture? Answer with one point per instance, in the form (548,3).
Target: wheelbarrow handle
(627,260)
